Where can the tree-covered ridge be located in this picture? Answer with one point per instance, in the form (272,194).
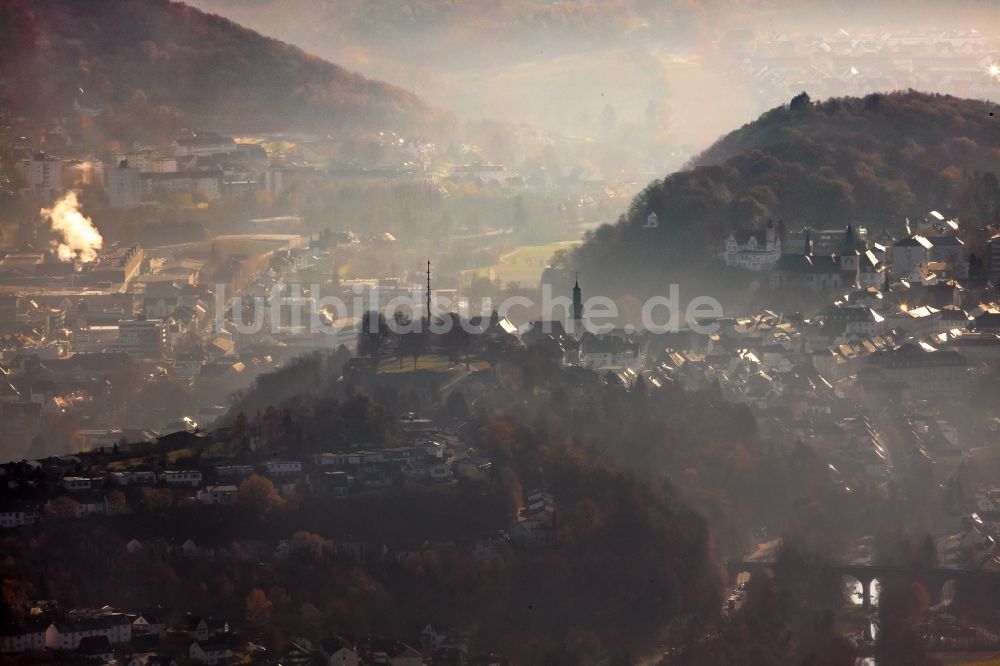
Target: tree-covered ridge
(871,161)
(174,60)
(888,123)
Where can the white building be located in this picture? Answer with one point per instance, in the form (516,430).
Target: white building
(22,639)
(77,483)
(67,634)
(16,517)
(182,477)
(753,250)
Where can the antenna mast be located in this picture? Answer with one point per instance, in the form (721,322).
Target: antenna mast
(428,292)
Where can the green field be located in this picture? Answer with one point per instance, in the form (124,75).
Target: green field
(523,265)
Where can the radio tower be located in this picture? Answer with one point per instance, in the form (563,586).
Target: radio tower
(428,292)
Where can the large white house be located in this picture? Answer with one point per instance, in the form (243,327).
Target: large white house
(753,250)
(182,477)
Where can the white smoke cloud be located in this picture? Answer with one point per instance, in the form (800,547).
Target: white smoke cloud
(80,238)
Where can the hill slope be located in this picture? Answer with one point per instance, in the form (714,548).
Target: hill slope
(871,161)
(152,61)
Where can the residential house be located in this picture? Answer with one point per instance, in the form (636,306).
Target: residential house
(210,652)
(149,622)
(339,651)
(77,483)
(17,514)
(67,634)
(182,477)
(203,628)
(298,653)
(217,494)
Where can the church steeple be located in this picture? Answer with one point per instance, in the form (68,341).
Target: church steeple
(850,241)
(577,301)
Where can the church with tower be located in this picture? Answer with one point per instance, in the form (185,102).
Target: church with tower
(851,265)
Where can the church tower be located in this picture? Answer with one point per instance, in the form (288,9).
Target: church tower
(849,251)
(577,305)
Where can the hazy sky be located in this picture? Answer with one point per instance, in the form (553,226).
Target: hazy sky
(676,74)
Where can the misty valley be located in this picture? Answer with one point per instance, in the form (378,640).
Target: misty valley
(447,333)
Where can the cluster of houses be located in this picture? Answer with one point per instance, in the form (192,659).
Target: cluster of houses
(121,477)
(131,637)
(808,379)
(147,637)
(93,482)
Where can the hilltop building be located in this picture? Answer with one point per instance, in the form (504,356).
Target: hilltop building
(753,250)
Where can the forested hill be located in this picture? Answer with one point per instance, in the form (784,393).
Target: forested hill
(156,62)
(885,124)
(871,161)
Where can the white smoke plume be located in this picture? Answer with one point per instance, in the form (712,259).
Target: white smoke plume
(80,238)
